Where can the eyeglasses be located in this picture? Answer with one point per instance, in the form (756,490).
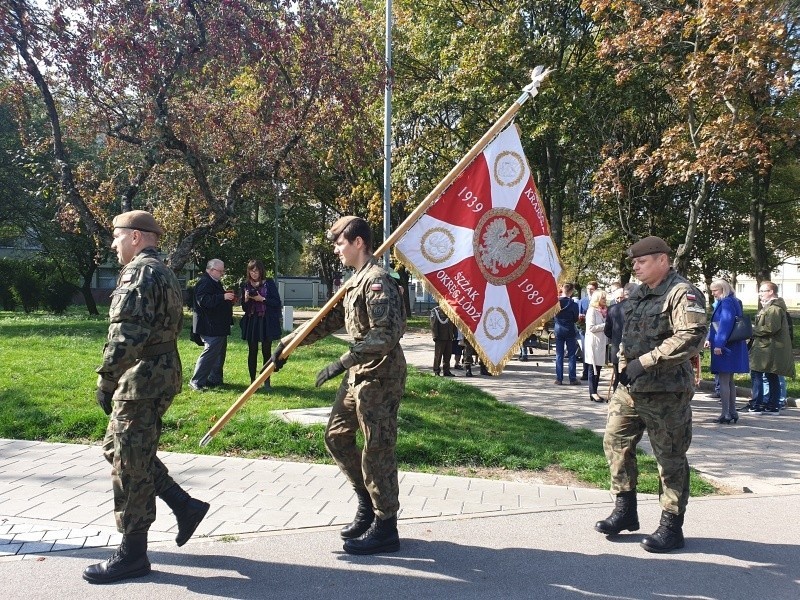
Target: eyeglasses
(217,270)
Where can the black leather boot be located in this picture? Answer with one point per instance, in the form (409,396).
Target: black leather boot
(381,537)
(668,536)
(468,372)
(188,511)
(128,561)
(365,515)
(624,515)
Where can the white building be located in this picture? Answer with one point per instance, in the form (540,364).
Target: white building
(786,277)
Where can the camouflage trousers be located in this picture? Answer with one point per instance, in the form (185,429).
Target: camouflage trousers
(667,417)
(370,406)
(137,475)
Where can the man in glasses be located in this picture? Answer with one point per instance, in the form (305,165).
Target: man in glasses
(212,320)
(771,350)
(664,327)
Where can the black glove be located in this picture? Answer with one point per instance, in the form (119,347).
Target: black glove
(104,400)
(332,370)
(275,358)
(631,371)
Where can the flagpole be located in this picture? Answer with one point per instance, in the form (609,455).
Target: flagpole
(529,91)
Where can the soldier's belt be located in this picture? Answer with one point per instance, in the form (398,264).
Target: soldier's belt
(156,349)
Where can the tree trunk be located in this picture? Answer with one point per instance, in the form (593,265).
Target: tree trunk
(684,252)
(757,237)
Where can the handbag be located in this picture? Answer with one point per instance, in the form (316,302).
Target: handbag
(742,329)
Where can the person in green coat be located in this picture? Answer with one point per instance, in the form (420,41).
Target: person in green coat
(771,349)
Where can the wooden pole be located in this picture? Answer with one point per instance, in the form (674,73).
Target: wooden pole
(530,91)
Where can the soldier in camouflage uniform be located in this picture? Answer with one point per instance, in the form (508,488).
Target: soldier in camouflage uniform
(140,375)
(665,326)
(373,312)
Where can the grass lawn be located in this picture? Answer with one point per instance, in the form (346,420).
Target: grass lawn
(47,393)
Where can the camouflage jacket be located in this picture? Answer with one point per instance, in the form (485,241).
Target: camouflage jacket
(664,328)
(372,312)
(140,358)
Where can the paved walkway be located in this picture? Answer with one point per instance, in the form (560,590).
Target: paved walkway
(56,497)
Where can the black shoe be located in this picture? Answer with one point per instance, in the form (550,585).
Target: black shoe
(459,367)
(668,536)
(574,382)
(755,409)
(188,511)
(381,537)
(128,561)
(365,516)
(469,372)
(623,517)
(722,420)
(448,374)
(485,371)
(773,410)
(196,388)
(437,374)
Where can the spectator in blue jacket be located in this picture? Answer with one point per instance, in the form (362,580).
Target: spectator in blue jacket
(566,335)
(727,357)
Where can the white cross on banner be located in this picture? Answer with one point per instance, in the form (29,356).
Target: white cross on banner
(484,251)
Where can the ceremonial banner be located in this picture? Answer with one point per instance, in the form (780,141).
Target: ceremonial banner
(484,251)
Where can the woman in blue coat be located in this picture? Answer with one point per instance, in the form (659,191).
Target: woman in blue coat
(727,357)
(261,323)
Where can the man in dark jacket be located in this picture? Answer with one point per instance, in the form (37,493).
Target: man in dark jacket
(212,320)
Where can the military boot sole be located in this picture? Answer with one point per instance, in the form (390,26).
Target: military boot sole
(353,547)
(100,573)
(661,549)
(607,529)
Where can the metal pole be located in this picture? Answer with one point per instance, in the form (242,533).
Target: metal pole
(387,134)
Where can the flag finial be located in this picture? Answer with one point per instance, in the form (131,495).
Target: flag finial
(538,75)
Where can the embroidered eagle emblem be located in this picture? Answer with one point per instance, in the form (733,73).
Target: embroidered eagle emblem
(498,248)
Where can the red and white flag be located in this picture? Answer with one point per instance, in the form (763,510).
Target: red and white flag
(484,251)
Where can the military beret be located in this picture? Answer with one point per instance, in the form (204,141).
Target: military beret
(138,219)
(648,245)
(337,228)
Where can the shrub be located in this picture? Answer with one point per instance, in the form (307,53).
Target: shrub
(8,273)
(57,295)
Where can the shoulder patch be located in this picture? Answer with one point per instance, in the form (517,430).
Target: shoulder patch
(691,296)
(127,277)
(376,286)
(696,309)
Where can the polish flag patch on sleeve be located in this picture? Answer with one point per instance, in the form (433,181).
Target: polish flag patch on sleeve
(376,287)
(691,297)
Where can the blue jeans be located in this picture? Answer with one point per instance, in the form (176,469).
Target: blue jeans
(572,346)
(760,397)
(208,370)
(781,382)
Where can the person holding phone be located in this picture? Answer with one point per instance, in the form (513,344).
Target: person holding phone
(261,323)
